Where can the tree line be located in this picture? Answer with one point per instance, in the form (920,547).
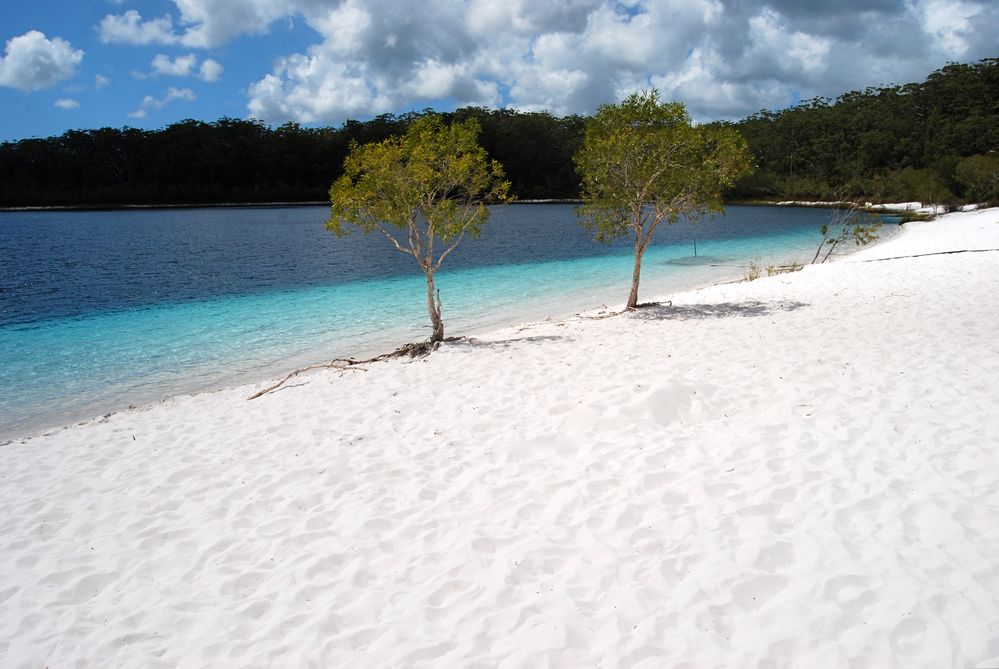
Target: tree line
(935,141)
(234,160)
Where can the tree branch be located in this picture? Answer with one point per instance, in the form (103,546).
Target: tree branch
(392,239)
(452,247)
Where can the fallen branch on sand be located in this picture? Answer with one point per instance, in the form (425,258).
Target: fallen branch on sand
(414,350)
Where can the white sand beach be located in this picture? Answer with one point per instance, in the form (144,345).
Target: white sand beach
(800,471)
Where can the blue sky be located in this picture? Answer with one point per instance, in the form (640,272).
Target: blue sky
(70,64)
(107,85)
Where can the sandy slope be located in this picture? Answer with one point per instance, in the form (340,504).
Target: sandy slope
(801,471)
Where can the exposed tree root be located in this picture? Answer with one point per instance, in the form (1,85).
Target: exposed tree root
(414,350)
(637,307)
(333,364)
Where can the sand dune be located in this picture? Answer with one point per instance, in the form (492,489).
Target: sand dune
(801,471)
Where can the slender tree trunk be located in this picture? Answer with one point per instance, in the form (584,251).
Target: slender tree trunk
(818,251)
(832,247)
(637,274)
(435,310)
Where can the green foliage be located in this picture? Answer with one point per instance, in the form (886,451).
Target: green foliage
(979,175)
(535,149)
(232,160)
(188,162)
(846,224)
(923,185)
(755,269)
(430,184)
(863,142)
(894,143)
(642,163)
(434,180)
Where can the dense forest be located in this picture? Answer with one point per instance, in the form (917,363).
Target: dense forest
(936,141)
(234,160)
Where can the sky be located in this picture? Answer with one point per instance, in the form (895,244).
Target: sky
(77,64)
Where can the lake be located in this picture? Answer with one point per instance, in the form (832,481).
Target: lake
(101,310)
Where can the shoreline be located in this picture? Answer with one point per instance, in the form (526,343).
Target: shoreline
(535,315)
(538,315)
(799,470)
(892,208)
(254,380)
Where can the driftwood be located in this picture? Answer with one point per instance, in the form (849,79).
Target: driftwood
(414,350)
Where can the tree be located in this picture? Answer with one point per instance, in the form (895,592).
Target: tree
(979,175)
(642,163)
(846,221)
(424,191)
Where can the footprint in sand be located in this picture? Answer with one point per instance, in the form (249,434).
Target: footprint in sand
(846,589)
(657,480)
(484,545)
(89,586)
(907,637)
(256,610)
(776,557)
(446,594)
(362,639)
(426,654)
(630,517)
(783,495)
(243,586)
(757,591)
(8,593)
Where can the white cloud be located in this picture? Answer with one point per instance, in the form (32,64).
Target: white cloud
(129,28)
(201,23)
(345,27)
(313,87)
(210,70)
(181,66)
(32,61)
(566,57)
(66,103)
(771,47)
(100,81)
(149,102)
(725,58)
(212,23)
(949,22)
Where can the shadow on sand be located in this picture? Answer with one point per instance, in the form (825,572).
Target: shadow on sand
(479,343)
(683,312)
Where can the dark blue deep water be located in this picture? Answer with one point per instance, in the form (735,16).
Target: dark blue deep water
(99,310)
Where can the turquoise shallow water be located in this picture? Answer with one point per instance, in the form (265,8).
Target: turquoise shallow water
(93,358)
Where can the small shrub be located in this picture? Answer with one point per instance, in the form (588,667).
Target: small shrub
(774,270)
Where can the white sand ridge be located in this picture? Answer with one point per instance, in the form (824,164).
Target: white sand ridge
(797,471)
